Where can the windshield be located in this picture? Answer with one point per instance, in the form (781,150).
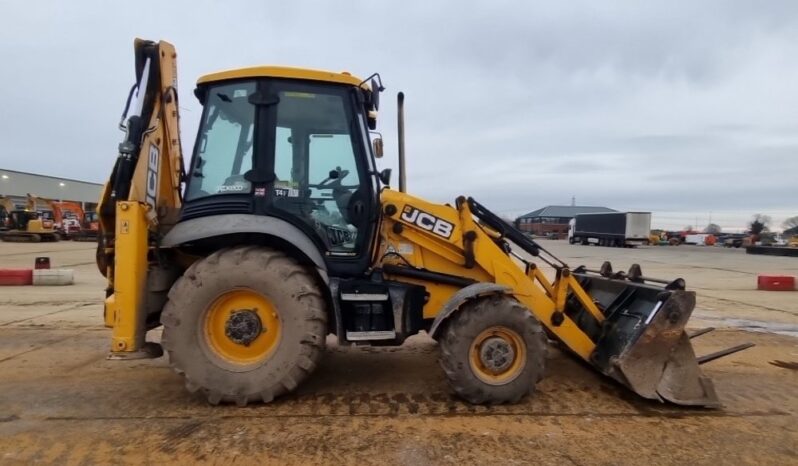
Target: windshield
(223,150)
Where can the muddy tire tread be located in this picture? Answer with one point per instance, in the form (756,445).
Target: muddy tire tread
(311,336)
(479,314)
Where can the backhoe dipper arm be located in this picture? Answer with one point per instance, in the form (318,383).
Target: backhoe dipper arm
(142,198)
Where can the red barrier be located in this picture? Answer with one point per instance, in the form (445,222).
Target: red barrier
(775,283)
(16,277)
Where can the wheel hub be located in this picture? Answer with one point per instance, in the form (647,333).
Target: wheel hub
(243,326)
(496,354)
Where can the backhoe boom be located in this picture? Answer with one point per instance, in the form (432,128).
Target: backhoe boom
(142,198)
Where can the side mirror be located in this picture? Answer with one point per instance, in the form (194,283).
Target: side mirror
(385,176)
(378,147)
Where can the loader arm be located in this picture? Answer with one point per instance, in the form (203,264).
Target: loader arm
(449,241)
(627,329)
(142,198)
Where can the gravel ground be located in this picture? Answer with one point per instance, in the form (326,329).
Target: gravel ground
(61,401)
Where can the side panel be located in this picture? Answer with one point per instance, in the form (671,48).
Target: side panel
(595,225)
(422,245)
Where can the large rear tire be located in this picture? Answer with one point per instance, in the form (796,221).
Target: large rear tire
(493,351)
(244,324)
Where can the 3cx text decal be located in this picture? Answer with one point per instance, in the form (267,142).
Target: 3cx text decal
(427,221)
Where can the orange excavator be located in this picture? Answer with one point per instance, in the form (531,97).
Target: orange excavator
(67,217)
(87,225)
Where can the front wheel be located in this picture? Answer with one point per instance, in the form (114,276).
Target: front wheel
(244,324)
(493,351)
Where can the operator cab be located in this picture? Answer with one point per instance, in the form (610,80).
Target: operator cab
(19,219)
(292,144)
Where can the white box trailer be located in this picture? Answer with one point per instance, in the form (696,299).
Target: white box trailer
(699,239)
(619,229)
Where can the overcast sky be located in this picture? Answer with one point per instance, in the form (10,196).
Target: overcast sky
(687,109)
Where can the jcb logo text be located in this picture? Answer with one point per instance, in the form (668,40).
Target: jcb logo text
(427,221)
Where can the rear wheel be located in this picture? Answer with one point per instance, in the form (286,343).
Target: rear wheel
(493,351)
(244,324)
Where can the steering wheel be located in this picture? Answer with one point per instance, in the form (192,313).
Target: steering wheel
(342,194)
(333,181)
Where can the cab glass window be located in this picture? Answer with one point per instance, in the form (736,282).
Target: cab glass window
(223,152)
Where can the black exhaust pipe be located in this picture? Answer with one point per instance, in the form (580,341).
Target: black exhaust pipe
(400,121)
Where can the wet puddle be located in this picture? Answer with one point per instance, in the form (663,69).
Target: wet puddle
(752,325)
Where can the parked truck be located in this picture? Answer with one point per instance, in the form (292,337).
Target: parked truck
(615,229)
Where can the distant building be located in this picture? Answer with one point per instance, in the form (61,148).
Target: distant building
(554,219)
(17,185)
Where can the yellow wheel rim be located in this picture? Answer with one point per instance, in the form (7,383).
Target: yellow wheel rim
(497,355)
(242,327)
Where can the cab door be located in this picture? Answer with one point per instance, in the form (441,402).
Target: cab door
(323,168)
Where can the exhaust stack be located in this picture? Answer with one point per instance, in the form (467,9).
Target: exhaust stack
(400,121)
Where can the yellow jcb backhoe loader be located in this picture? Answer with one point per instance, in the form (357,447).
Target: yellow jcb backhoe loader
(286,232)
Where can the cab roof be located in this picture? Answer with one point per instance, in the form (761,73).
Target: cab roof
(343,77)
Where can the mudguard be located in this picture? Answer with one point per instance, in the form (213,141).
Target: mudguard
(219,225)
(459,298)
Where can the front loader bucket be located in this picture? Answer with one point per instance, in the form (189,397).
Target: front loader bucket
(642,342)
